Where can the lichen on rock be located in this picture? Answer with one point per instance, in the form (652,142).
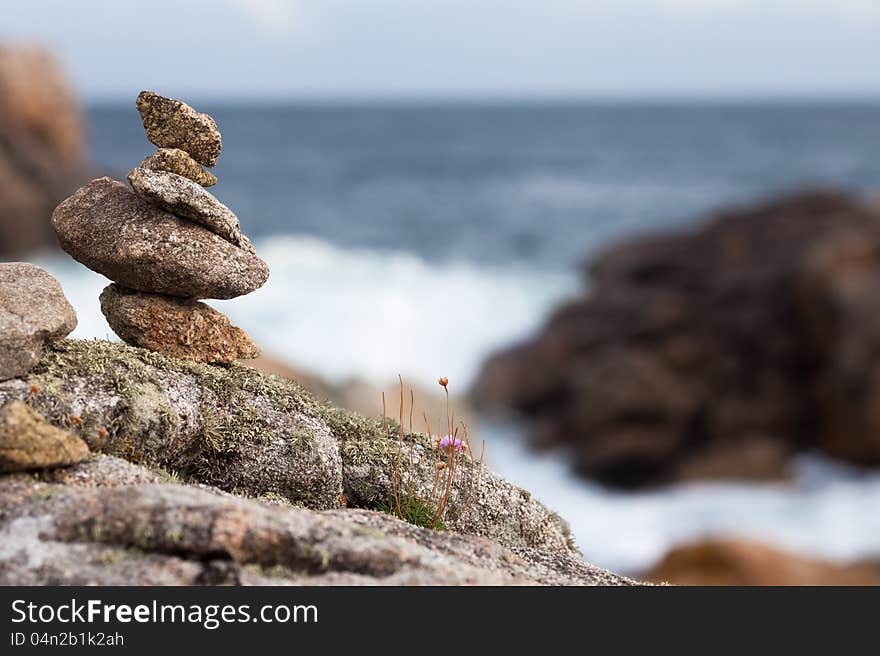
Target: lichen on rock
(259,435)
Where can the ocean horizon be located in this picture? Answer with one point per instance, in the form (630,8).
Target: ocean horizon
(429,236)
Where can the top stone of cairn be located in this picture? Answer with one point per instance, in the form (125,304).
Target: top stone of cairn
(173,124)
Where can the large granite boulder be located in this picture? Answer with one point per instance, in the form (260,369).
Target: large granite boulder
(713,353)
(113,231)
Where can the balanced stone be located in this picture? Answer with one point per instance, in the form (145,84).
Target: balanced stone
(28,441)
(173,124)
(33,310)
(113,231)
(175,160)
(182,328)
(183,197)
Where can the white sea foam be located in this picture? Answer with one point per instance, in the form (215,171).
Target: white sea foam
(828,510)
(358,312)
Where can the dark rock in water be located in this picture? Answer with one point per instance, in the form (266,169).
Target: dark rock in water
(175,160)
(43,154)
(182,328)
(115,232)
(183,197)
(173,124)
(33,311)
(716,352)
(28,441)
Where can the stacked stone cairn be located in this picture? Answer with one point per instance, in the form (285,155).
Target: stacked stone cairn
(166,242)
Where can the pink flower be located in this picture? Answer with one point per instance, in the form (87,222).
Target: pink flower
(450,444)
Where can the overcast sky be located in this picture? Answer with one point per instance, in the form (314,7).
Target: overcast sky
(454,48)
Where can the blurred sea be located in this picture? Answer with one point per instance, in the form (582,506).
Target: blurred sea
(417,240)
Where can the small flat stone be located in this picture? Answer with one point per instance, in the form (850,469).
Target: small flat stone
(173,124)
(183,197)
(113,231)
(33,311)
(181,328)
(28,441)
(175,160)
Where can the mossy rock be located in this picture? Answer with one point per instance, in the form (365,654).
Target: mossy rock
(261,435)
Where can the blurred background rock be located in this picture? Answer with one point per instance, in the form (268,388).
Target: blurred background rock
(43,146)
(718,353)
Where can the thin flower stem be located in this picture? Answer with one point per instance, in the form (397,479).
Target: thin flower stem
(399,443)
(412,438)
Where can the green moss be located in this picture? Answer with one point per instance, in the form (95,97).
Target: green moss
(223,410)
(237,406)
(304,442)
(414,510)
(130,374)
(144,418)
(364,441)
(123,371)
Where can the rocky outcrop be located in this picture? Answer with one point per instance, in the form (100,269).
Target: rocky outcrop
(150,508)
(239,430)
(718,352)
(33,310)
(113,523)
(42,147)
(741,562)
